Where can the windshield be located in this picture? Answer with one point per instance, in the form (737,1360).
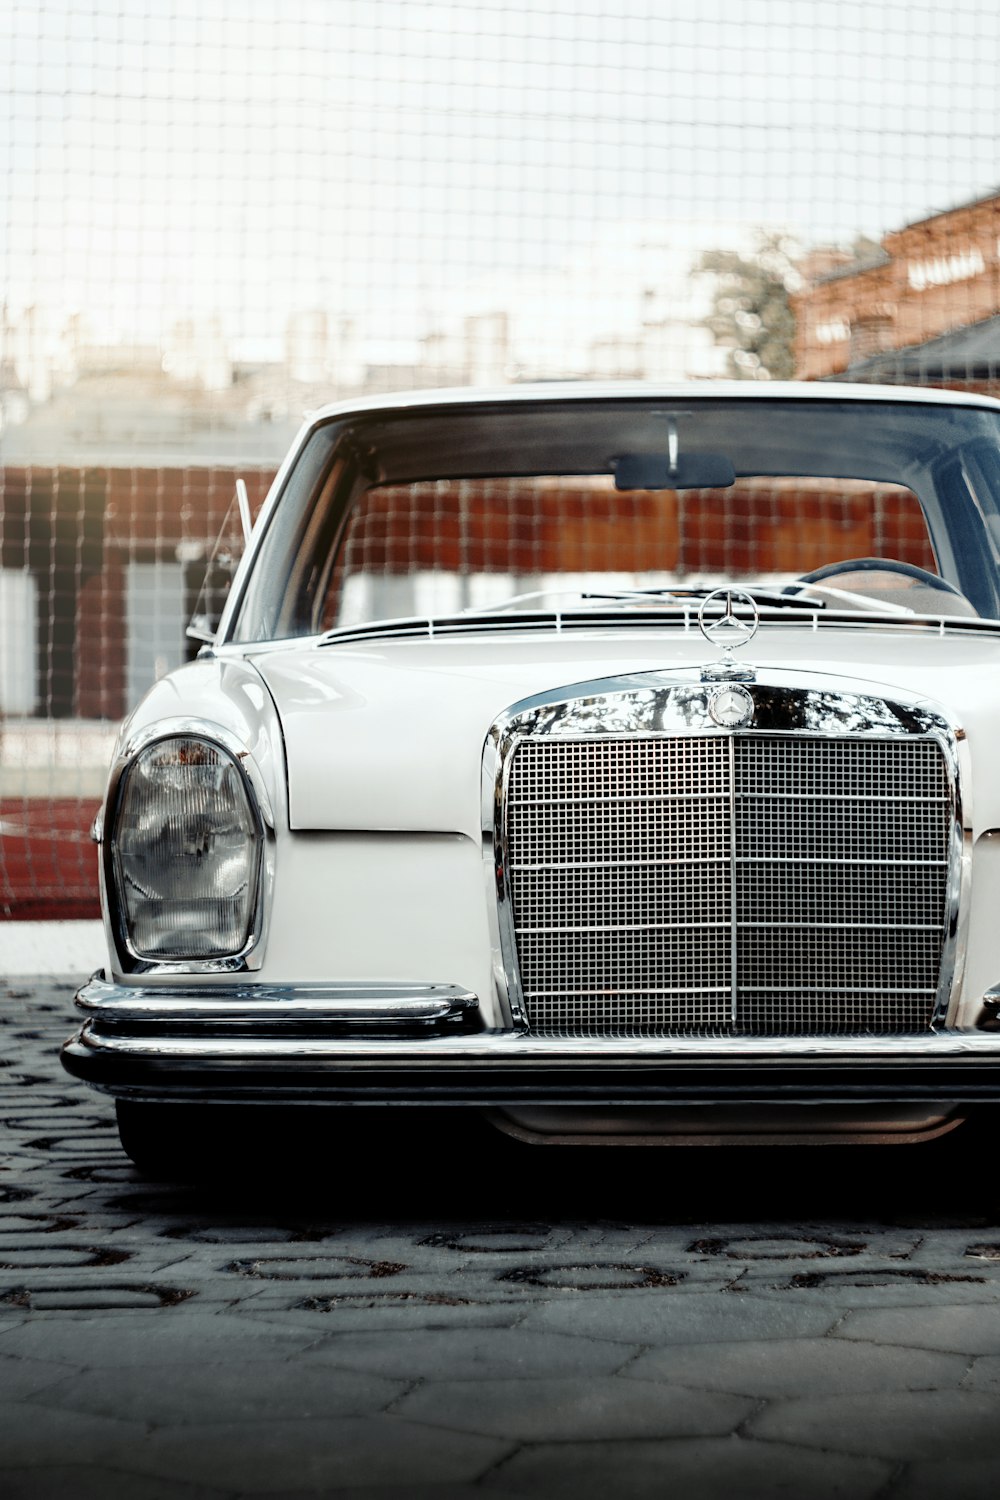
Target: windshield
(441,511)
(473,543)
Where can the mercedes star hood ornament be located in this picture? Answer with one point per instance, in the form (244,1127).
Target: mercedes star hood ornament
(728,619)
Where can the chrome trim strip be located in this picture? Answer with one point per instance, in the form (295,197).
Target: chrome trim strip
(654,618)
(388,1002)
(675,989)
(842,926)
(768,989)
(505,1048)
(168,729)
(956,750)
(251,955)
(791,859)
(635,927)
(819,859)
(734,992)
(506,971)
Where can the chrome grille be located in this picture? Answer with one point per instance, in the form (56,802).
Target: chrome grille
(758,884)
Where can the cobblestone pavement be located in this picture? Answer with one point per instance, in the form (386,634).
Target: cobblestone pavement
(467,1319)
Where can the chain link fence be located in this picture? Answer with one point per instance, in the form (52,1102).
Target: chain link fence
(218,216)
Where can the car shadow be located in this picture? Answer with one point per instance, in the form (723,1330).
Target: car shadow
(453,1165)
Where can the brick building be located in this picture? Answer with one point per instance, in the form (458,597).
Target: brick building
(922,307)
(117,558)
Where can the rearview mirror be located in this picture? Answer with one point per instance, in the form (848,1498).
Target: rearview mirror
(691,471)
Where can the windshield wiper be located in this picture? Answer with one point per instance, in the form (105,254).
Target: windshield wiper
(776,597)
(681,598)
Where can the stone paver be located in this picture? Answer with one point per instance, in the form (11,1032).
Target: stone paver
(900,1425)
(32,1433)
(414,1491)
(984,1374)
(751,1324)
(198,1336)
(470,1354)
(257,1390)
(95,1482)
(774,1368)
(969,1330)
(956,1478)
(26,1377)
(695,1469)
(268,1458)
(648,1318)
(578,1410)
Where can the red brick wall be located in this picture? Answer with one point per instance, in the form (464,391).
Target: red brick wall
(524,527)
(76,529)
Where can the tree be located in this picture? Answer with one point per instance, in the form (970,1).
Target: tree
(752,313)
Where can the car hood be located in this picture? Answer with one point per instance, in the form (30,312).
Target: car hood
(389,735)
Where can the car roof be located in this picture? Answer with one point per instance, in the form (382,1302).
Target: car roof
(596,390)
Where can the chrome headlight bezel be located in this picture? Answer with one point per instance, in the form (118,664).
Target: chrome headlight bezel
(250,955)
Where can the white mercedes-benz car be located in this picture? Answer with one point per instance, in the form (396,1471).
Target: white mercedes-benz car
(620,761)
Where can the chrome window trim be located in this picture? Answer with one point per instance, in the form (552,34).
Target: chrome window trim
(680,705)
(250,956)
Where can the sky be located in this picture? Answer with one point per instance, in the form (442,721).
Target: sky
(403,163)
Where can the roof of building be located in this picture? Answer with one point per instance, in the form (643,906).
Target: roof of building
(970,353)
(942,213)
(872,262)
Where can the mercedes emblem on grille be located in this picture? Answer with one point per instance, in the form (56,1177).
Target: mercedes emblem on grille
(731,707)
(725,626)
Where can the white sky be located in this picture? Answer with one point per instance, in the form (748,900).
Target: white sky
(394,160)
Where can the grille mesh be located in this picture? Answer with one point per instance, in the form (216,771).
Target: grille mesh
(764,885)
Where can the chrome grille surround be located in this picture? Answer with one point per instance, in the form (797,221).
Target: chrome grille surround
(656,875)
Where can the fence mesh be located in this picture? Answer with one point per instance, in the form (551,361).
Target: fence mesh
(219,215)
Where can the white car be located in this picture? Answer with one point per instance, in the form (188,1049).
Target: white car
(620,761)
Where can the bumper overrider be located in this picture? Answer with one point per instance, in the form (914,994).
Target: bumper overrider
(399,1043)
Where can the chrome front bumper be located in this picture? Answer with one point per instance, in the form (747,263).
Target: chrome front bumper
(424,1044)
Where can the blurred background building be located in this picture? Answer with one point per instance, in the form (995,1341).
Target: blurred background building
(919,306)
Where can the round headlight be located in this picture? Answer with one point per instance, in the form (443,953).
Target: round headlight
(186,851)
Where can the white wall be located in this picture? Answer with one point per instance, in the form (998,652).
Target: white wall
(155,623)
(18,642)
